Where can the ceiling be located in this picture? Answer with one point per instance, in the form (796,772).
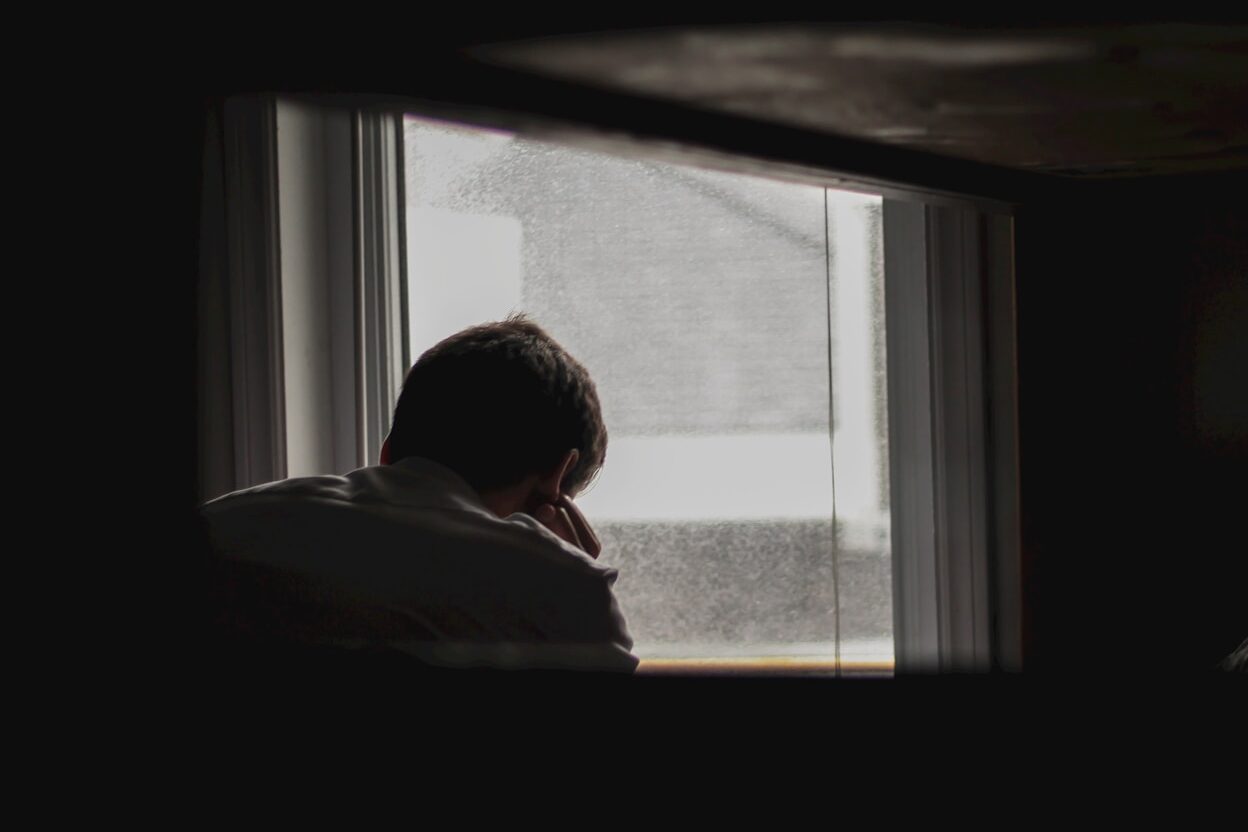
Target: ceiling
(1100,101)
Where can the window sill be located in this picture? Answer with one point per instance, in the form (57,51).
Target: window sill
(763,666)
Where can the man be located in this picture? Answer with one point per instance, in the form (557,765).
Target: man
(462,548)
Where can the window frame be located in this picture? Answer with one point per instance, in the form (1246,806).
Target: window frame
(953,441)
(950,339)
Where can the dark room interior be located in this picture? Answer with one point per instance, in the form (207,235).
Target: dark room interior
(1120,149)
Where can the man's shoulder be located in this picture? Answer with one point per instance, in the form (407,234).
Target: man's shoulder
(289,511)
(503,591)
(324,485)
(387,508)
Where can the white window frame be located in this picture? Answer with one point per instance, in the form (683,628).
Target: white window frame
(327,184)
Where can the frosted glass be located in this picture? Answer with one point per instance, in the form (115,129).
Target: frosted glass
(699,302)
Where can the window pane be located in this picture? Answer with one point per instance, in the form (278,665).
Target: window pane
(699,301)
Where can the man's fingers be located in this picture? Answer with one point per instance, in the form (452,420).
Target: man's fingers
(557,520)
(573,536)
(584,532)
(566,520)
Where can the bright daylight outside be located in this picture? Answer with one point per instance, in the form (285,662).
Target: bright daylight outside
(734,327)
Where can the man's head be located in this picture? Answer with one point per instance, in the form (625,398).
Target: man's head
(500,403)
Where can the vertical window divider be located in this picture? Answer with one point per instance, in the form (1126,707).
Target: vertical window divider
(379,274)
(836,547)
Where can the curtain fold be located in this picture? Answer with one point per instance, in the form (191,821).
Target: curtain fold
(240,401)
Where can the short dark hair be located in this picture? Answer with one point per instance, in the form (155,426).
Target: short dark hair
(498,402)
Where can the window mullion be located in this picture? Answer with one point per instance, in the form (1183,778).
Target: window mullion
(836,547)
(379,275)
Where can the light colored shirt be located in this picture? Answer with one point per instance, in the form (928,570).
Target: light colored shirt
(406,557)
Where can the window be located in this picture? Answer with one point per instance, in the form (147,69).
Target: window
(789,480)
(734,326)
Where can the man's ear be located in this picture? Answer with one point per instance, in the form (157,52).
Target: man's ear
(384,458)
(569,463)
(551,485)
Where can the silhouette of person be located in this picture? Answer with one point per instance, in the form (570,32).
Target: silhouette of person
(461,548)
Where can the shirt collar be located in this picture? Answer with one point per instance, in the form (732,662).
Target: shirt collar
(418,481)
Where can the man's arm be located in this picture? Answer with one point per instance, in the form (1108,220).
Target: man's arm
(614,652)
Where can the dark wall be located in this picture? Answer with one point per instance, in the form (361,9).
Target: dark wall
(1133,355)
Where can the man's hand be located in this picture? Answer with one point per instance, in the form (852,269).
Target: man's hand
(566,520)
